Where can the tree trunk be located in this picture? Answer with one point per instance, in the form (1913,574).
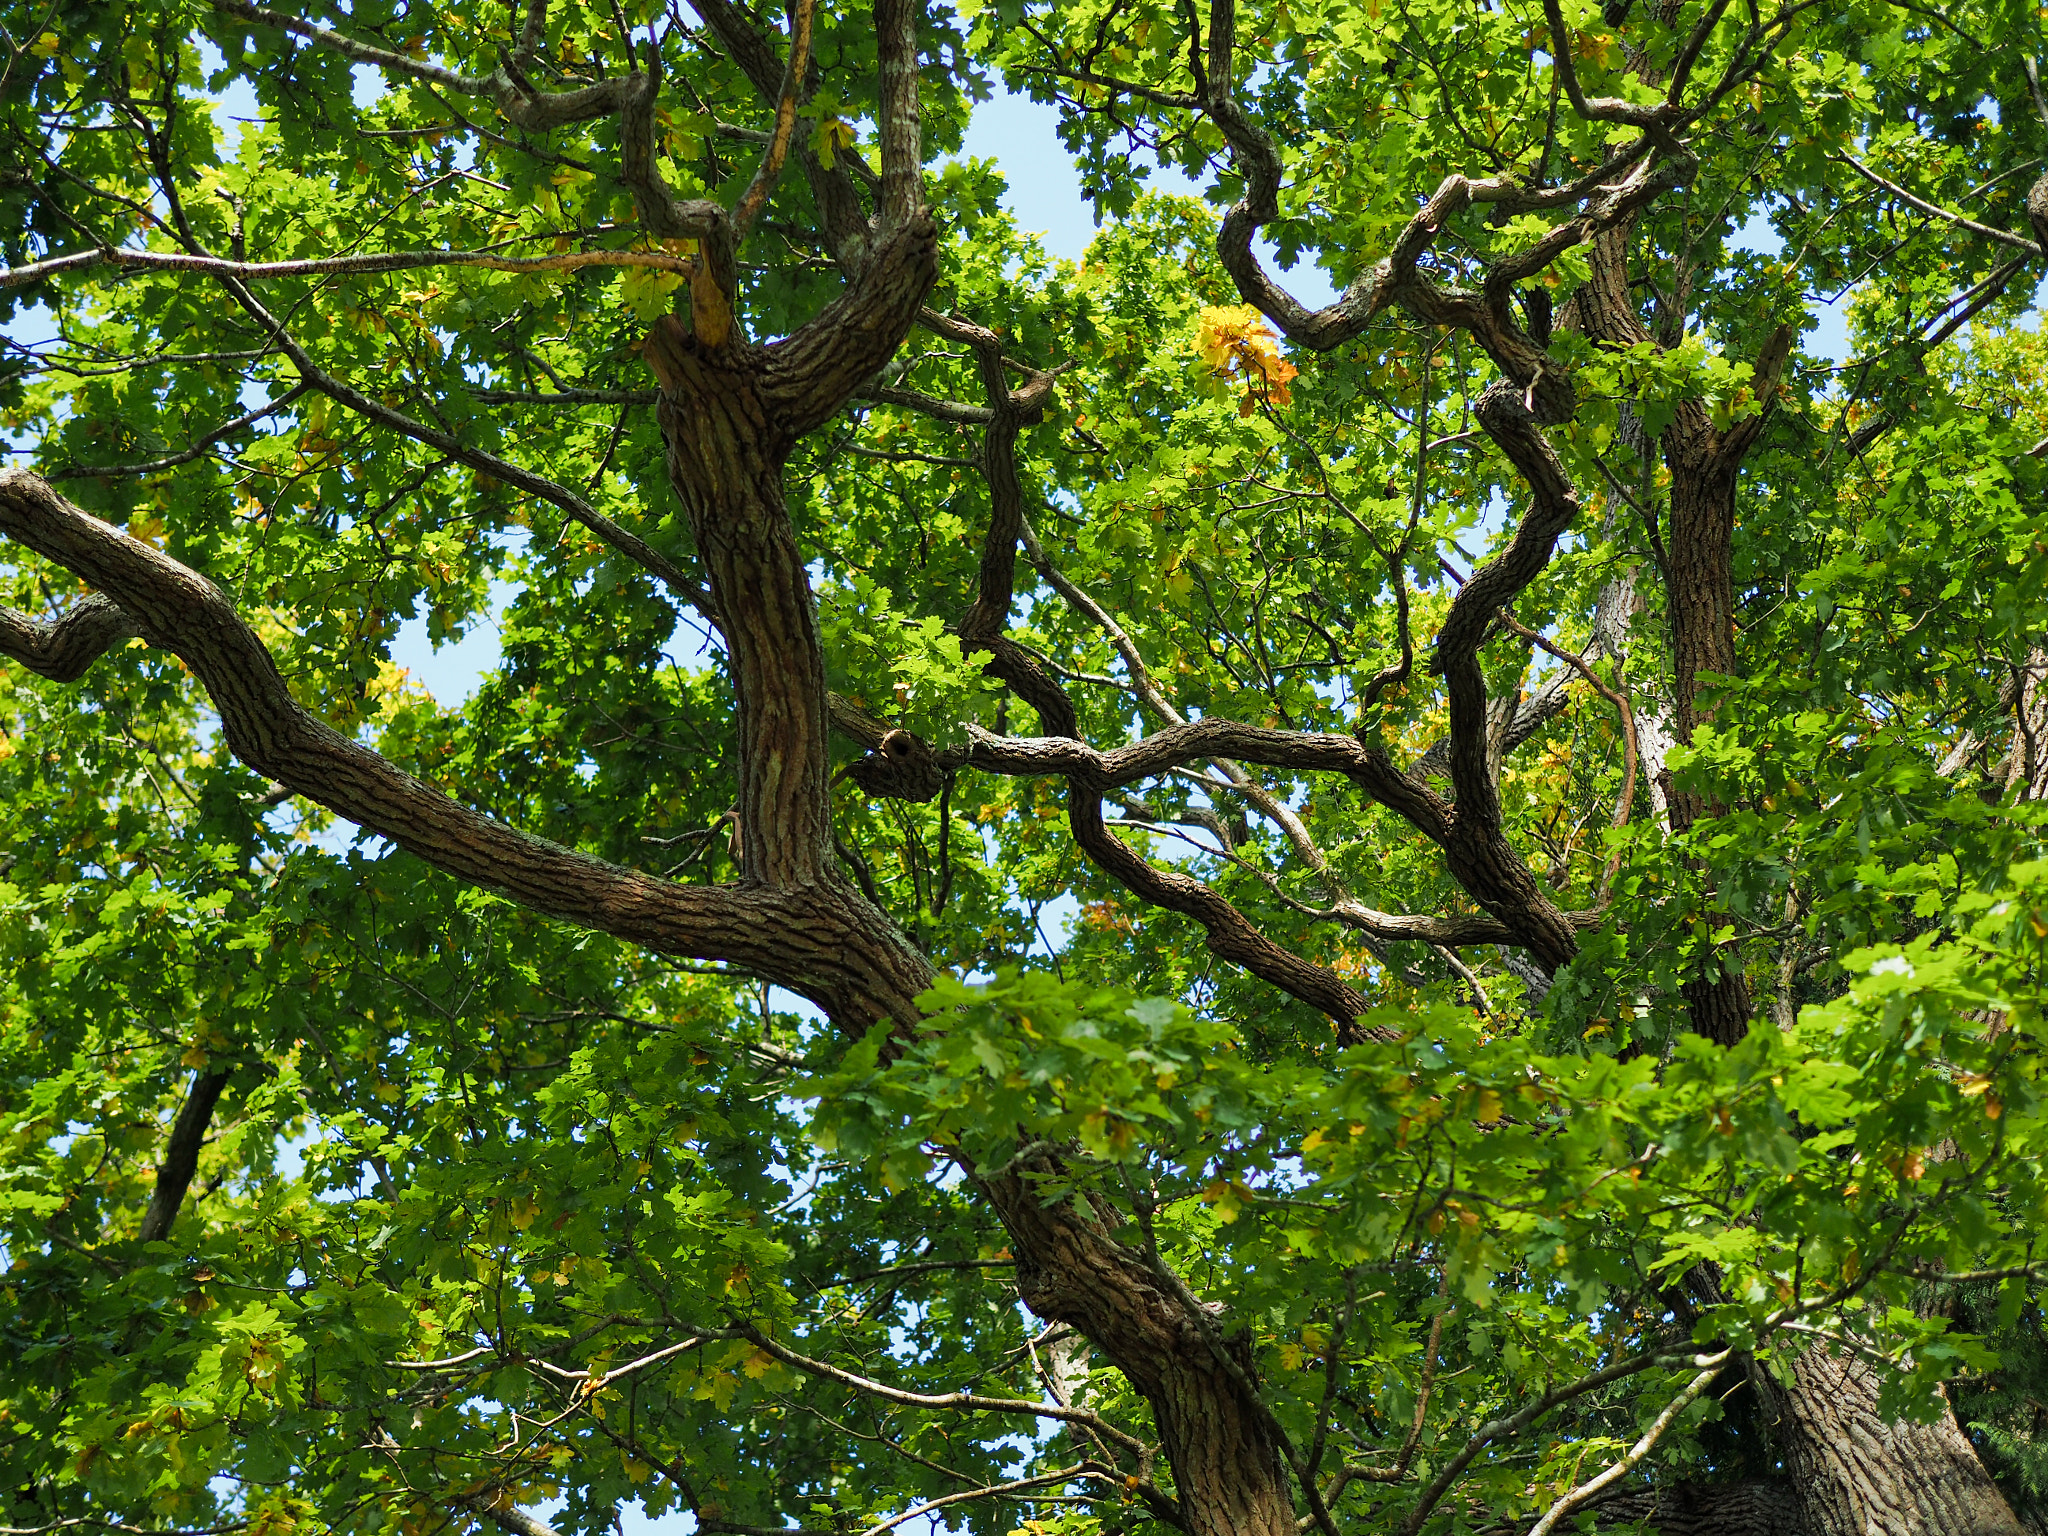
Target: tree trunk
(1854,1474)
(726,445)
(1705,1509)
(2026,766)
(1702,606)
(1228,1470)
(725,458)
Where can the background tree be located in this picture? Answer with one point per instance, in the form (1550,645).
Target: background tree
(1551,771)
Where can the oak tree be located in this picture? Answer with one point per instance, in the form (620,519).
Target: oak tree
(1546,766)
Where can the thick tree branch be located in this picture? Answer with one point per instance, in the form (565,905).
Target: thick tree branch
(807,377)
(61,649)
(1477,847)
(807,939)
(181,1154)
(1611,194)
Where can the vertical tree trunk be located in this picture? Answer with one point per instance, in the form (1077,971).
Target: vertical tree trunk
(1228,1470)
(1855,1474)
(725,456)
(1702,607)
(2026,771)
(726,447)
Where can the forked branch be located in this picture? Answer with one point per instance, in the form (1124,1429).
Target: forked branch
(807,940)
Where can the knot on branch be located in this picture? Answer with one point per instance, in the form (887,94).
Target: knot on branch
(901,767)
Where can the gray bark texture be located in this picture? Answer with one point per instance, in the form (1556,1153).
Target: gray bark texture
(1853,1473)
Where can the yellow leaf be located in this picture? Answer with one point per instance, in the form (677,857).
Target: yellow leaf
(645,291)
(832,135)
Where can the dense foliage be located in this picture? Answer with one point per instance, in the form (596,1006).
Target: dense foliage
(485,1212)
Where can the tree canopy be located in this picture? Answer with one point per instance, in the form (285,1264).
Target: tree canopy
(1546,767)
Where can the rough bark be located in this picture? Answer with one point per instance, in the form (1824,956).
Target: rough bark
(1855,1474)
(2026,766)
(730,414)
(724,461)
(1227,1466)
(844,956)
(1706,1509)
(61,649)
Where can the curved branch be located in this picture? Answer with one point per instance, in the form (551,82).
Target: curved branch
(809,939)
(1611,193)
(1230,934)
(630,97)
(839,208)
(1478,851)
(1189,742)
(1554,503)
(62,649)
(962,1402)
(1077,1471)
(1598,109)
(809,375)
(363,53)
